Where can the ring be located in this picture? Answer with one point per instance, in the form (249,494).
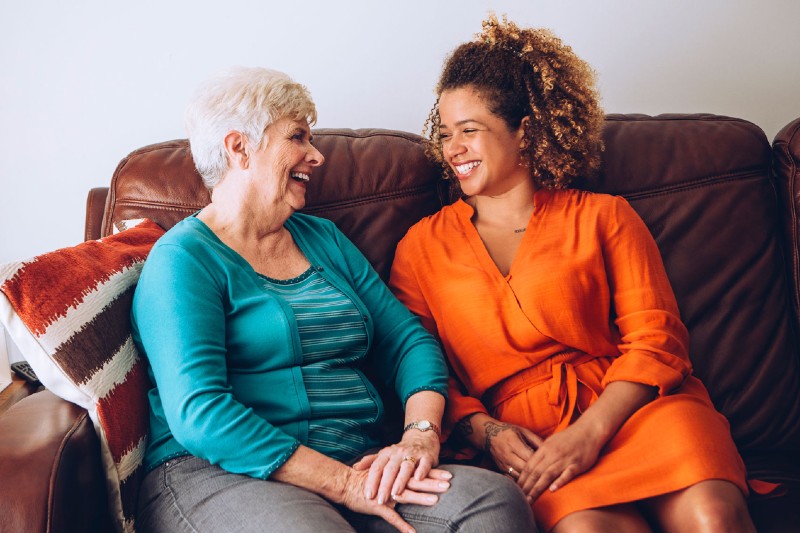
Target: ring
(410,458)
(510,471)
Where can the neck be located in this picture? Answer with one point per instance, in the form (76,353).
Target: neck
(511,210)
(234,213)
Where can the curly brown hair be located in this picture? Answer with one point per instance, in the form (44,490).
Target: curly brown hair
(529,72)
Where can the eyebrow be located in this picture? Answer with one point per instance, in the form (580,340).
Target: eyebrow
(304,131)
(462,122)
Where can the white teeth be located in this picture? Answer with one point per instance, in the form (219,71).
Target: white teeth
(466,167)
(300,176)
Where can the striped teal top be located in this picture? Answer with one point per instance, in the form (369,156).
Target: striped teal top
(332,337)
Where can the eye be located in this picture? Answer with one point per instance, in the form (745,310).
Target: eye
(470,130)
(444,136)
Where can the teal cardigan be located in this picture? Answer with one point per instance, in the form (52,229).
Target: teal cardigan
(224,353)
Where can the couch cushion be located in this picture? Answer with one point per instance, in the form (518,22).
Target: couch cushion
(68,311)
(703,186)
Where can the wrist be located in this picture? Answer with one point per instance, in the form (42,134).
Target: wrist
(596,428)
(338,488)
(423,426)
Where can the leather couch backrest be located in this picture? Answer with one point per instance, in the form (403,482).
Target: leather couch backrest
(374,185)
(702,184)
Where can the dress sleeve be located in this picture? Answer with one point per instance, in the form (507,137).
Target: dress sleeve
(654,342)
(403,282)
(178,320)
(407,356)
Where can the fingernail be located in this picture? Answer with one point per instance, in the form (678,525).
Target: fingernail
(380,500)
(553,488)
(432,498)
(447,475)
(444,485)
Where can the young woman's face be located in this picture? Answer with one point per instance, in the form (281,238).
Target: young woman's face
(478,145)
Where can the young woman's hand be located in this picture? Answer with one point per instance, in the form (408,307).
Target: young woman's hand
(565,455)
(559,459)
(510,446)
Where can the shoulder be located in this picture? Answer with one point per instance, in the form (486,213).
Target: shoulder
(185,235)
(189,233)
(583,199)
(188,245)
(586,205)
(435,226)
(311,222)
(312,227)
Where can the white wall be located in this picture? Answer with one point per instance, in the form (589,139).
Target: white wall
(86,82)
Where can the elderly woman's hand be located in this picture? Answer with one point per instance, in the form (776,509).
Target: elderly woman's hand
(417,492)
(407,464)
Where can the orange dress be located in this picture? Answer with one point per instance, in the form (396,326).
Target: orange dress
(586,302)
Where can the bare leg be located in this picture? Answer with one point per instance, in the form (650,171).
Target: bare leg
(623,518)
(709,506)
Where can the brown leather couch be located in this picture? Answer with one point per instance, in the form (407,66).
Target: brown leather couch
(720,201)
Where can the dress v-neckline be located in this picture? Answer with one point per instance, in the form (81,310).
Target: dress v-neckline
(465,214)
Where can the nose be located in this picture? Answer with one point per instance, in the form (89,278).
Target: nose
(314,156)
(452,147)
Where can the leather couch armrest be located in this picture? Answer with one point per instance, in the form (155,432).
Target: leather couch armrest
(52,477)
(95,207)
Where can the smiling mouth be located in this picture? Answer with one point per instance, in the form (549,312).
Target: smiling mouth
(466,167)
(300,176)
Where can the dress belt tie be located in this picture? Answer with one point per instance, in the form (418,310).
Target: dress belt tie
(559,369)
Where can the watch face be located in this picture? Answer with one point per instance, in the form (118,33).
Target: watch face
(424,425)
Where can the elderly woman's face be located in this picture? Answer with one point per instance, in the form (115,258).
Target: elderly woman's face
(285,162)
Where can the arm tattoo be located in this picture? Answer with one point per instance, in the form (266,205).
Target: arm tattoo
(464,426)
(492,430)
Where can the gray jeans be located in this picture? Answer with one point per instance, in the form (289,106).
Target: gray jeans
(188,494)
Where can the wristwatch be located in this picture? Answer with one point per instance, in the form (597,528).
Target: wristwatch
(423,425)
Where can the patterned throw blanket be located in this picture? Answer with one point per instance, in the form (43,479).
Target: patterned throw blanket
(68,312)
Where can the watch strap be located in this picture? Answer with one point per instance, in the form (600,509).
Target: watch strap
(423,425)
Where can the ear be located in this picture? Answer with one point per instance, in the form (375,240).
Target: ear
(235,143)
(521,138)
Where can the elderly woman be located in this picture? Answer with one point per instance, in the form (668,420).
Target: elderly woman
(253,319)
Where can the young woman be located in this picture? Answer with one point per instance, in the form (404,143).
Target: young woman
(568,357)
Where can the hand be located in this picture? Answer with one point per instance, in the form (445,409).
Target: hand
(391,469)
(510,446)
(560,459)
(418,492)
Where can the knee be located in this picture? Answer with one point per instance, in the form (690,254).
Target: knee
(721,514)
(489,502)
(504,493)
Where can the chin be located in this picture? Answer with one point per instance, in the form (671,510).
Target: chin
(468,189)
